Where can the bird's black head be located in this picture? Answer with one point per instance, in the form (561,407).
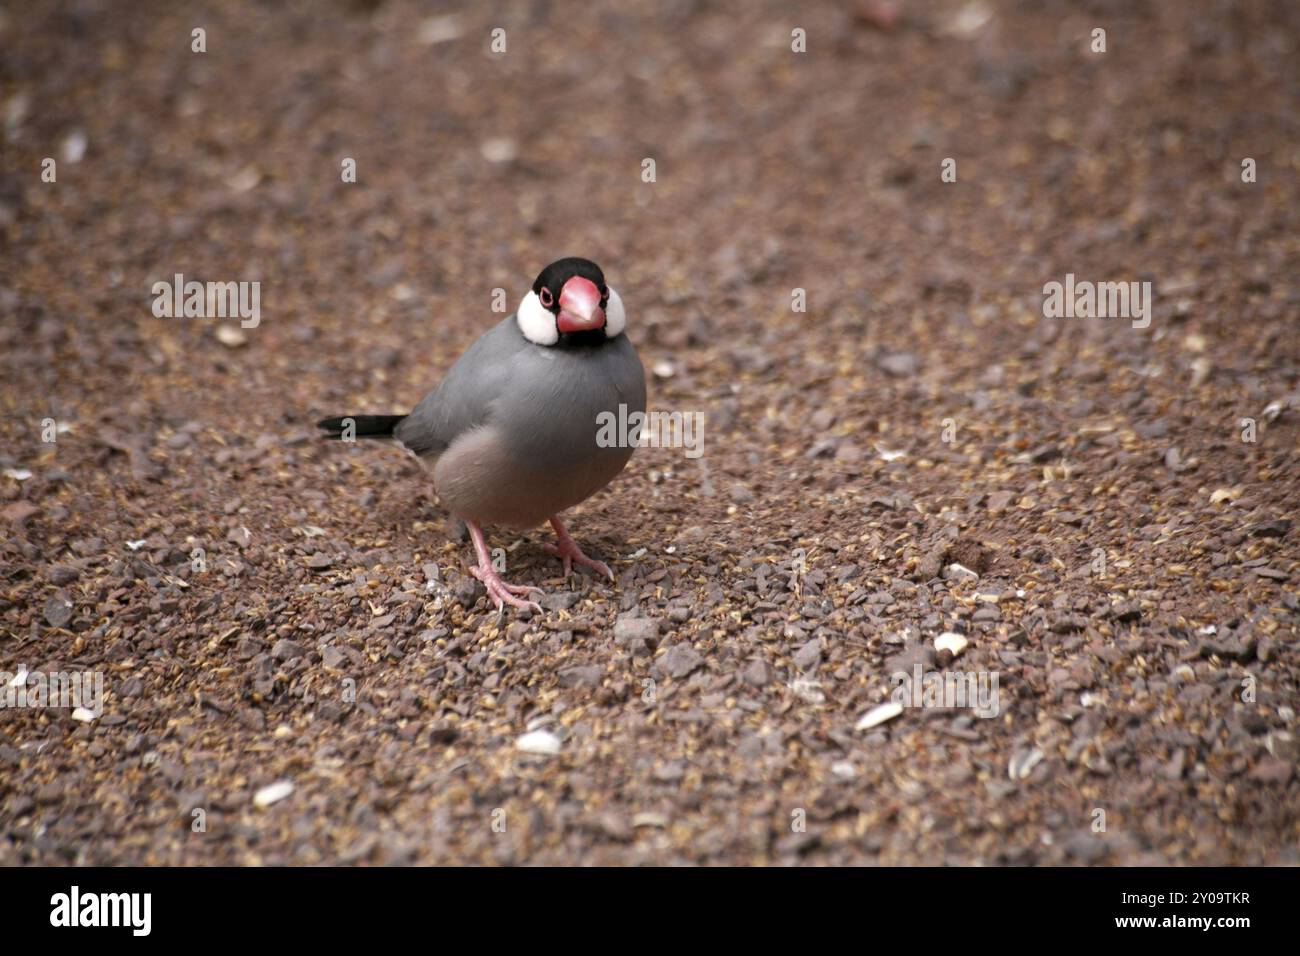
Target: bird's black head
(570,303)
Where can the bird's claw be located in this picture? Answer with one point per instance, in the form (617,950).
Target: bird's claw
(501,593)
(569,552)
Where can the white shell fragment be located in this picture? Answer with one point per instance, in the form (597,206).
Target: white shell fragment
(1023,763)
(74,146)
(878,715)
(83,715)
(272,793)
(230,336)
(959,572)
(499,150)
(953,643)
(889,454)
(439,29)
(539,742)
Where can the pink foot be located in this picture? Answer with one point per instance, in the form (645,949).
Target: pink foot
(498,591)
(569,552)
(502,593)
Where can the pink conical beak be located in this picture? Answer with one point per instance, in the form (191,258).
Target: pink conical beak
(580,309)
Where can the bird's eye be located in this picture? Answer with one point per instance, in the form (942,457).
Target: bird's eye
(548,300)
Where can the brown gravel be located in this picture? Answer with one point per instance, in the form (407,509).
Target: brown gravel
(1136,561)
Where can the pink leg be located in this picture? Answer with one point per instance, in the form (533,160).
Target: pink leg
(497,589)
(569,551)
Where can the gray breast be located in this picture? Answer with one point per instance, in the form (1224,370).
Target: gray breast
(534,450)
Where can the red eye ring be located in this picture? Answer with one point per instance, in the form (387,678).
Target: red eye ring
(548,300)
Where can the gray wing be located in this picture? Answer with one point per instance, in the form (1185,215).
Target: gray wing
(465,397)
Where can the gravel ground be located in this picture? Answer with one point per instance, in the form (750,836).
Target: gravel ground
(1131,562)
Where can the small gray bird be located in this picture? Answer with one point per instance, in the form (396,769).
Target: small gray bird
(511,433)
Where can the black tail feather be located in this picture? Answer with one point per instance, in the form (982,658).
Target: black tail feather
(363,426)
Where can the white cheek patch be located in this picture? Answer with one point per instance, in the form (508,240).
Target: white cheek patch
(615,318)
(536,321)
